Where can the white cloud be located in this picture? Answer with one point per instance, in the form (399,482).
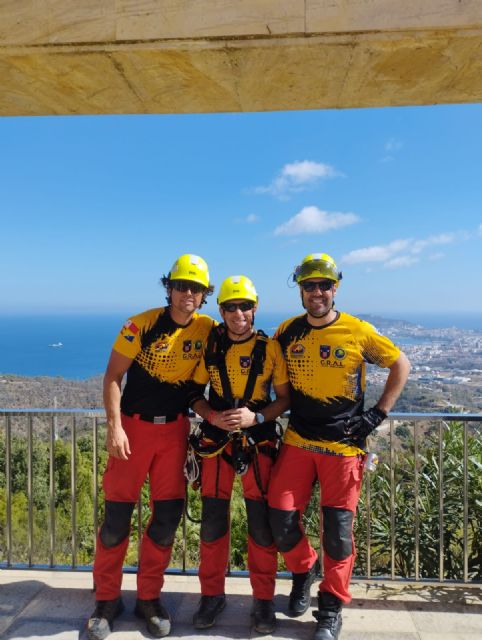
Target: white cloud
(298,176)
(391,147)
(436,256)
(249,219)
(400,261)
(399,253)
(375,254)
(479,230)
(393,144)
(314,220)
(443,238)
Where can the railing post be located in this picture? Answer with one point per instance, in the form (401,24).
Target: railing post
(368,508)
(95,471)
(466,504)
(417,502)
(30,487)
(52,491)
(441,570)
(73,476)
(392,502)
(8,483)
(184,537)
(230,532)
(322,550)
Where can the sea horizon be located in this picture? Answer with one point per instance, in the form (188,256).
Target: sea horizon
(77,346)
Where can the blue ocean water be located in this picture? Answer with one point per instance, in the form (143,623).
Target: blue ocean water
(87,340)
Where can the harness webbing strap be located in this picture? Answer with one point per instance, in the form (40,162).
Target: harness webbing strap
(215,355)
(258,357)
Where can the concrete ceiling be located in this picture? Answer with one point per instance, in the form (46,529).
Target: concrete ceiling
(188,56)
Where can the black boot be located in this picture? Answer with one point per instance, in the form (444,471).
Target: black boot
(101,622)
(328,616)
(158,620)
(264,618)
(209,608)
(300,597)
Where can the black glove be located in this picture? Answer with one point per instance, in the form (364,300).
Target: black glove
(360,427)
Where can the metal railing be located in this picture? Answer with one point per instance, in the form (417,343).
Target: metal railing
(12,418)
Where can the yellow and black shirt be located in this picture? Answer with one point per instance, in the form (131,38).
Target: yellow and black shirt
(326,367)
(238,364)
(164,356)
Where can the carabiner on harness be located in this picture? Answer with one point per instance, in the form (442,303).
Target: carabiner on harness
(241,454)
(192,470)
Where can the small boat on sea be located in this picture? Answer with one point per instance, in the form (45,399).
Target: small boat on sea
(56,345)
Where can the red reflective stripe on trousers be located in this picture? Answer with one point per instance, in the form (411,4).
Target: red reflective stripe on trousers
(290,489)
(157,450)
(262,561)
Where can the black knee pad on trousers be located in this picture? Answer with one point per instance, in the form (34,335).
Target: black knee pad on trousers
(258,522)
(337,532)
(286,529)
(117,522)
(215,522)
(166,515)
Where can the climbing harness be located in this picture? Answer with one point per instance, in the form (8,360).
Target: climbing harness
(208,441)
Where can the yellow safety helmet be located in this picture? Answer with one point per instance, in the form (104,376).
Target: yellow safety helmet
(190,267)
(237,288)
(317,265)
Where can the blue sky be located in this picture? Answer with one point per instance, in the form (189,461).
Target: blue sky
(95,209)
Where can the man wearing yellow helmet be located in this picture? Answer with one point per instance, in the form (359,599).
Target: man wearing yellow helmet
(147,430)
(326,351)
(238,436)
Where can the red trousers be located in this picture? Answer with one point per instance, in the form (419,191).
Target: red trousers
(157,451)
(290,489)
(262,558)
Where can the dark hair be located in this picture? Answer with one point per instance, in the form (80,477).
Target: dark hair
(166,283)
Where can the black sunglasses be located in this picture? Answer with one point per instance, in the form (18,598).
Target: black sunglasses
(234,306)
(309,286)
(187,285)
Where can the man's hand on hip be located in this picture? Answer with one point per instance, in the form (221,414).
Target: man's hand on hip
(361,426)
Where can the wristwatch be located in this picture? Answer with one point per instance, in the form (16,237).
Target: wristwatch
(259,418)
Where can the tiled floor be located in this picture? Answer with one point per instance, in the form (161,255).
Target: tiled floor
(56,605)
